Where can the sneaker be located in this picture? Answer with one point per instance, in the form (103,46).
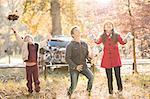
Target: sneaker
(69,94)
(89,93)
(111,92)
(30,91)
(119,92)
(37,91)
(29,94)
(37,88)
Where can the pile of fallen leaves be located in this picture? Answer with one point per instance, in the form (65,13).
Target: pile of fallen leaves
(56,85)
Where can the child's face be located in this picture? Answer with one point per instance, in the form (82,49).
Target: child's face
(77,33)
(108,26)
(28,39)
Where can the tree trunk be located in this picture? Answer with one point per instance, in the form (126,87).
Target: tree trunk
(56,18)
(134,53)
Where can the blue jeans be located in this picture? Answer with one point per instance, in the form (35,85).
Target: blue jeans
(74,75)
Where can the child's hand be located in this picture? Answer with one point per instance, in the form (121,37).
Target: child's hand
(13,30)
(95,40)
(79,68)
(129,36)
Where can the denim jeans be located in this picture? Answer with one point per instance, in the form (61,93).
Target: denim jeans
(74,75)
(110,79)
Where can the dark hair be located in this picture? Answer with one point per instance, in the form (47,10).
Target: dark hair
(114,35)
(72,30)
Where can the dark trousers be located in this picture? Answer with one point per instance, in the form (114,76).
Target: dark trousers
(74,75)
(110,79)
(32,73)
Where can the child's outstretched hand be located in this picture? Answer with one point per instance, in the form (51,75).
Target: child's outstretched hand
(129,36)
(13,30)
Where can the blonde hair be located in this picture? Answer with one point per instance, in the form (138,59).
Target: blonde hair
(108,22)
(28,35)
(114,35)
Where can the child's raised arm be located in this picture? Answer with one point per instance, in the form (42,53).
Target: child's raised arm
(19,38)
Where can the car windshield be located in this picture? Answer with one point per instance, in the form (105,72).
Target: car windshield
(58,43)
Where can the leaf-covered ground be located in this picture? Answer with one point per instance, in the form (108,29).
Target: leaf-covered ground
(13,86)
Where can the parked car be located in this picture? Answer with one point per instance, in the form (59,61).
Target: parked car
(54,52)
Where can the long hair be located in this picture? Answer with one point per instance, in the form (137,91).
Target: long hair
(114,36)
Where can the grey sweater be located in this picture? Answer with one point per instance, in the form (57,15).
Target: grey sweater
(76,54)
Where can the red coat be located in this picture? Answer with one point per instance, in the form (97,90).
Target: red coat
(111,57)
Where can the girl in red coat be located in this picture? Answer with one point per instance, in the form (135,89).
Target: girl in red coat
(111,58)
